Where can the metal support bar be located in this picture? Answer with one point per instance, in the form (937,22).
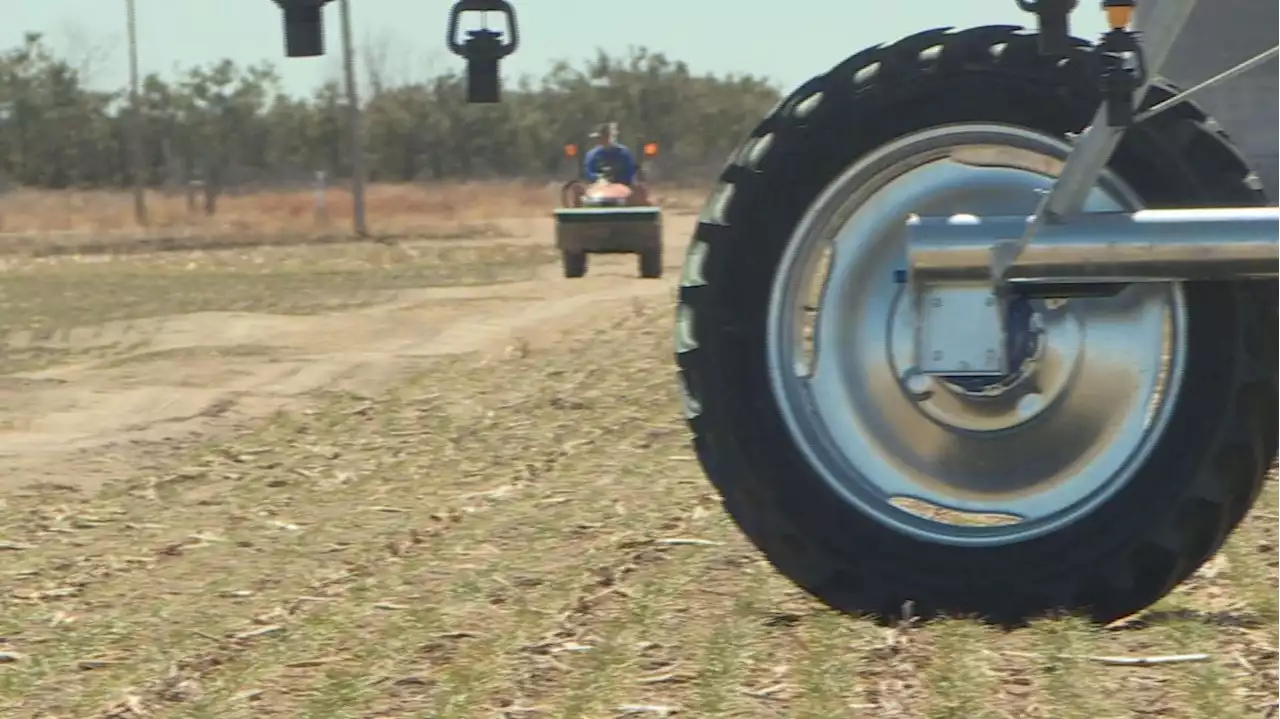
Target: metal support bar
(1160,22)
(1146,246)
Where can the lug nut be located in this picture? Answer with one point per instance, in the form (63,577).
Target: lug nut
(919,386)
(1030,405)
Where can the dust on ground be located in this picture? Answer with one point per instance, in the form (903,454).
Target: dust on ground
(155,377)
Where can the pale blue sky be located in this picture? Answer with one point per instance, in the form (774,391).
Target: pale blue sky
(785,40)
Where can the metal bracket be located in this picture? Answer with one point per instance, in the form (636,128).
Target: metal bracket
(1160,22)
(484,48)
(501,7)
(960,331)
(303,27)
(1054,20)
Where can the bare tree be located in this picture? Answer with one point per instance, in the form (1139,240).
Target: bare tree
(376,52)
(87,51)
(389,61)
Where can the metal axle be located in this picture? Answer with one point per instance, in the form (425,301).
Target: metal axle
(1107,247)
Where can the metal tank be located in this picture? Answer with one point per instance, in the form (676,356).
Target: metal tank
(1221,34)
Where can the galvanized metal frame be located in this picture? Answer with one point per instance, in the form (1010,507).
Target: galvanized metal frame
(1160,22)
(968,262)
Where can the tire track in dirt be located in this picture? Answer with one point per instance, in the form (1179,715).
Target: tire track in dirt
(184,377)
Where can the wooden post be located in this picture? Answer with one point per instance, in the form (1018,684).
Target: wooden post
(353,121)
(135,120)
(322,209)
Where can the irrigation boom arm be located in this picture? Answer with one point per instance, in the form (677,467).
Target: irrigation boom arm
(1127,68)
(484,48)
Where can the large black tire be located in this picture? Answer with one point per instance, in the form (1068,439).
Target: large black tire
(1196,485)
(650,263)
(575,264)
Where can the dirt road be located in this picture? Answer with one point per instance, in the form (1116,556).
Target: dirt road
(165,381)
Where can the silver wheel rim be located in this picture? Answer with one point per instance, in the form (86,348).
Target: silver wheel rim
(931,459)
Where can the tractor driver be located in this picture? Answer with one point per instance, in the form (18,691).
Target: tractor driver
(609,155)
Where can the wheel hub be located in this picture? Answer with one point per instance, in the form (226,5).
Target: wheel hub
(882,434)
(1023,335)
(989,404)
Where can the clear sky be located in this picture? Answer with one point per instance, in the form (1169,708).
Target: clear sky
(785,40)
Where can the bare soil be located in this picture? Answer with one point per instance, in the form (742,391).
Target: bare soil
(440,480)
(167,377)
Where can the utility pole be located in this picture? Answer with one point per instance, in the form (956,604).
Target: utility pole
(353,120)
(135,120)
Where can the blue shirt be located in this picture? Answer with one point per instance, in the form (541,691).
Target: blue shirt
(616,155)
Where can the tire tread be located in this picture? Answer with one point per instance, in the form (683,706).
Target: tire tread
(1209,169)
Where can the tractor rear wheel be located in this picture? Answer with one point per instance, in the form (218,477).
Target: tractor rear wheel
(575,263)
(650,263)
(1155,420)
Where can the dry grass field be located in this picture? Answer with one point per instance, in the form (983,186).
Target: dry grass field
(97,221)
(435,479)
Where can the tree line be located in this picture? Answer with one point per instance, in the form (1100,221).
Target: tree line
(227,125)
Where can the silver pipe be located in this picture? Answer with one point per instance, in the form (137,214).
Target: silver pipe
(1146,246)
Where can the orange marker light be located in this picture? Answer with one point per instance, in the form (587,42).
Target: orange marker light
(651,149)
(570,150)
(1119,17)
